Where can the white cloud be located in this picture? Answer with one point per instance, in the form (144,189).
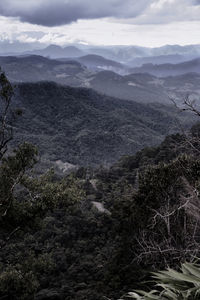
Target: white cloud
(166,12)
(24,38)
(158,22)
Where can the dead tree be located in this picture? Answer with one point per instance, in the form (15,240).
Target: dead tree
(157,244)
(192,141)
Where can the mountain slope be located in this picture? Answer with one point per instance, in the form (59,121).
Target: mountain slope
(158,60)
(164,70)
(34,68)
(97,63)
(83,127)
(142,88)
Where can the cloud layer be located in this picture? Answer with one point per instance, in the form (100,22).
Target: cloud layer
(59,12)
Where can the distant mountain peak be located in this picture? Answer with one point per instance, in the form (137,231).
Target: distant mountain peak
(52,47)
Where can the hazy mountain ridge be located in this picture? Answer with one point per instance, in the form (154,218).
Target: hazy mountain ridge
(54,51)
(156,60)
(125,54)
(121,54)
(38,68)
(165,70)
(98,63)
(144,88)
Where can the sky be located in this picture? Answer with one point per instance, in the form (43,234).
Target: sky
(149,23)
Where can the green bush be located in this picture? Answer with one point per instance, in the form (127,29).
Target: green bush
(16,284)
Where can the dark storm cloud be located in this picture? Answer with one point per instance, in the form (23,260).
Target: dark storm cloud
(59,12)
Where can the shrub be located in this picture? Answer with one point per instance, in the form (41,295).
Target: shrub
(173,285)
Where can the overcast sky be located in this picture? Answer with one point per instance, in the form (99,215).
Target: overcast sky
(148,23)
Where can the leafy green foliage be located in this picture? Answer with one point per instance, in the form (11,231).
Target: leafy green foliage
(12,170)
(15,284)
(47,193)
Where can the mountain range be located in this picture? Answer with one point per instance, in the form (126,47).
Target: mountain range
(123,54)
(140,87)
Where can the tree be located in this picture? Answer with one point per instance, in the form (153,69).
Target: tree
(6,131)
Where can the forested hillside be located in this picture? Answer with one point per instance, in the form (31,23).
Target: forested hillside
(99,230)
(82,127)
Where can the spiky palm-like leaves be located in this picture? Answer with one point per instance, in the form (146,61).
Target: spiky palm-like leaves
(173,285)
